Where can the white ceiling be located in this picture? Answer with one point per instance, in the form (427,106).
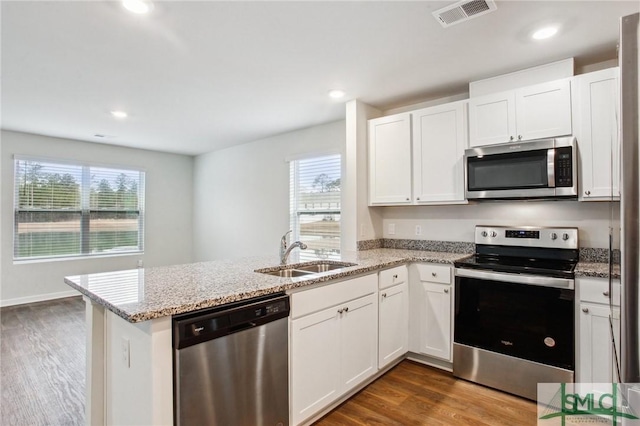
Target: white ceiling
(200,76)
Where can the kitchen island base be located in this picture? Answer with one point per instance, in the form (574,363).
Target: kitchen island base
(129,368)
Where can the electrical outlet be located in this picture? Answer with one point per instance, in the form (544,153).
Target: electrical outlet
(418,230)
(392,229)
(126,352)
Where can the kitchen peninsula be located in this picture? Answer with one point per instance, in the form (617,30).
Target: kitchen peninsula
(129,343)
(129,328)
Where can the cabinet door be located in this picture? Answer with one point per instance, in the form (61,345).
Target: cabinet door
(393,337)
(595,343)
(543,110)
(439,141)
(492,119)
(390,160)
(435,321)
(596,129)
(359,341)
(315,362)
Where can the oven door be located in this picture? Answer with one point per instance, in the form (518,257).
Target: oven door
(535,322)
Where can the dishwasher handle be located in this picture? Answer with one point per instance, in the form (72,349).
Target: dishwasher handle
(240,327)
(211,324)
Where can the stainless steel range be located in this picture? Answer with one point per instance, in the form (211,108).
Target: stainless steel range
(514,308)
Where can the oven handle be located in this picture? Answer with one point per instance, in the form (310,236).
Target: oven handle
(565,283)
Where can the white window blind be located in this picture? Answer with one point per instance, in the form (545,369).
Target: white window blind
(315,205)
(69,210)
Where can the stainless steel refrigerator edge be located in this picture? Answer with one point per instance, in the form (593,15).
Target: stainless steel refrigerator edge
(630,198)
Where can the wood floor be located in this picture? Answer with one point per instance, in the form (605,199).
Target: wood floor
(413,394)
(42,363)
(42,370)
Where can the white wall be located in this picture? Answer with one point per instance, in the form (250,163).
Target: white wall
(359,222)
(168,204)
(241,194)
(457,222)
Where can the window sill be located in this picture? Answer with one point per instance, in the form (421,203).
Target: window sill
(72,258)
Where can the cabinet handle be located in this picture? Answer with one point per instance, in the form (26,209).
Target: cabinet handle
(519,137)
(511,138)
(587,192)
(446,290)
(340,311)
(395,277)
(384,295)
(605,293)
(433,274)
(346,309)
(407,199)
(418,198)
(585,310)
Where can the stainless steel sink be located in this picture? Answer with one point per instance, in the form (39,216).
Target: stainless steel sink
(320,267)
(287,273)
(304,269)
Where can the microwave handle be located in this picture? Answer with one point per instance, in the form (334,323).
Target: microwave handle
(551,167)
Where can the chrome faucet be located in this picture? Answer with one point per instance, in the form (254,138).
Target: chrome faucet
(284,251)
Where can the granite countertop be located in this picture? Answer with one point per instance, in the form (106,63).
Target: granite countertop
(144,294)
(596,269)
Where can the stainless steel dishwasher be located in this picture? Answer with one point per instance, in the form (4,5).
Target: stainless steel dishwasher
(230,364)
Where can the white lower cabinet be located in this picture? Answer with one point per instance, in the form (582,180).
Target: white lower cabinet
(431,311)
(393,299)
(596,118)
(595,357)
(334,343)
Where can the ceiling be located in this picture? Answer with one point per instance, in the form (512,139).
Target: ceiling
(201,76)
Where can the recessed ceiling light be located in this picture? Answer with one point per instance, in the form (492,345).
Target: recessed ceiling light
(545,32)
(119,114)
(137,6)
(336,94)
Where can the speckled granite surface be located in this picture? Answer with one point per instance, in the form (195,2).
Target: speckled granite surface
(143,294)
(369,244)
(598,255)
(430,245)
(596,269)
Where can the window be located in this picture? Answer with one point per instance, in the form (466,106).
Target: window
(69,210)
(315,205)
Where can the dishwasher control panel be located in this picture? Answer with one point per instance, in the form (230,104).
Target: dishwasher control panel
(196,327)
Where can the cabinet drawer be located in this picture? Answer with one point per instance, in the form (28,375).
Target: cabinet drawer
(393,276)
(314,300)
(596,290)
(434,273)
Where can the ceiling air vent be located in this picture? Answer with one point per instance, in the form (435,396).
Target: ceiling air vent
(463,11)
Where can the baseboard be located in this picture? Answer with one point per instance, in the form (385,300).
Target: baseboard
(38,298)
(431,362)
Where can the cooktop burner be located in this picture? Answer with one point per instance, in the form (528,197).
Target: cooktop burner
(547,267)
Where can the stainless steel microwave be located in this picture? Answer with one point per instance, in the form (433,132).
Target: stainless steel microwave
(544,168)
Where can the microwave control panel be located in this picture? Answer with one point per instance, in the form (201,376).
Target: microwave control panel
(564,167)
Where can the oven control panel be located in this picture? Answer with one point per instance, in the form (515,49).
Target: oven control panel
(527,236)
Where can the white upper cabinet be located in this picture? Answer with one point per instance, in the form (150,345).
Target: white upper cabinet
(544,110)
(533,112)
(595,112)
(492,119)
(431,142)
(390,160)
(439,141)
